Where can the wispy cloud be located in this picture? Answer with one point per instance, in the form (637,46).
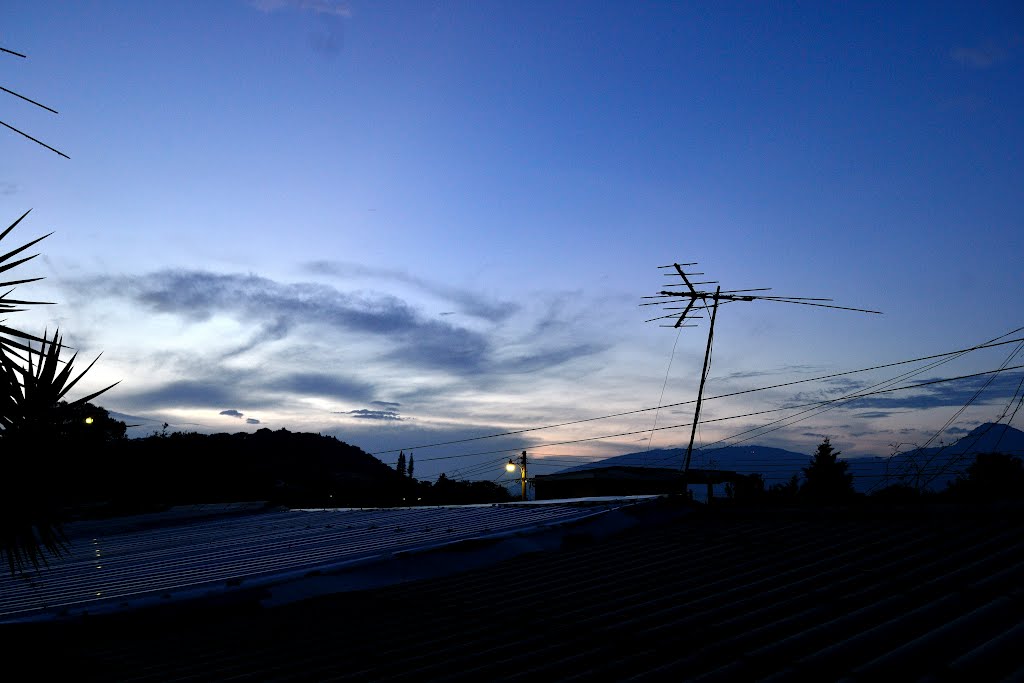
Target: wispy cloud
(325,7)
(280,308)
(313,340)
(469,302)
(979,57)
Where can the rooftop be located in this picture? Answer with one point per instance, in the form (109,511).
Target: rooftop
(928,593)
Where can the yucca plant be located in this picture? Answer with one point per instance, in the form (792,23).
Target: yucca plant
(33,383)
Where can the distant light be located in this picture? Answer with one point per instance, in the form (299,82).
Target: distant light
(510,467)
(88,420)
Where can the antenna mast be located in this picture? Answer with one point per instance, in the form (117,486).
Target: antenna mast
(693,296)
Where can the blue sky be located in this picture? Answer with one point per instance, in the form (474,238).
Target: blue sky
(411,222)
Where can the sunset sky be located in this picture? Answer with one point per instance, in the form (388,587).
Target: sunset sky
(404,223)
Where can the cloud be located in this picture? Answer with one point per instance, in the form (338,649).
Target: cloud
(235,413)
(979,57)
(946,395)
(323,7)
(365,414)
(470,302)
(322,384)
(181,394)
(200,295)
(878,414)
(534,362)
(267,344)
(7,189)
(399,332)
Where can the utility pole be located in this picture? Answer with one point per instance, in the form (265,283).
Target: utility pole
(522,470)
(693,296)
(511,467)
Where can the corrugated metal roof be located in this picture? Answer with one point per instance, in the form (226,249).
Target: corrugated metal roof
(924,594)
(111,566)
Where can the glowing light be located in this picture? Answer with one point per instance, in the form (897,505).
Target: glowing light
(88,420)
(510,467)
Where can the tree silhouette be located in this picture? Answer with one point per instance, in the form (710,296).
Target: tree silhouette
(992,476)
(400,467)
(410,466)
(785,492)
(826,479)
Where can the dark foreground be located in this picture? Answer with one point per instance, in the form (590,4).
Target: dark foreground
(909,594)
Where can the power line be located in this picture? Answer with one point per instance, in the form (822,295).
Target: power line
(826,402)
(788,420)
(959,352)
(911,463)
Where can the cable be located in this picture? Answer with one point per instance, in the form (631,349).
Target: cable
(957,354)
(986,345)
(911,463)
(663,385)
(809,406)
(964,407)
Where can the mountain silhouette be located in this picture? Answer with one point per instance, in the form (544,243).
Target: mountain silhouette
(931,468)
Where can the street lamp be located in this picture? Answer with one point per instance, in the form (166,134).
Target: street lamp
(511,467)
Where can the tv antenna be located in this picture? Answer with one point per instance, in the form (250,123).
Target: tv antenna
(694,297)
(5,51)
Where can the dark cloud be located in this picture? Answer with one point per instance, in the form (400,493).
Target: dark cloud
(470,302)
(388,405)
(878,414)
(551,358)
(272,331)
(321,384)
(251,421)
(307,320)
(181,394)
(816,435)
(365,414)
(787,369)
(946,395)
(199,295)
(232,413)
